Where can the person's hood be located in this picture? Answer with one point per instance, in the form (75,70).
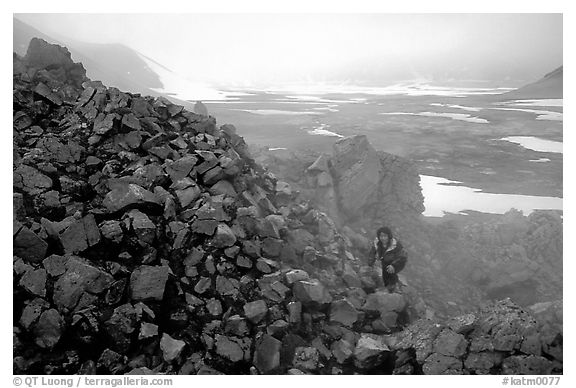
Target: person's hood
(392,245)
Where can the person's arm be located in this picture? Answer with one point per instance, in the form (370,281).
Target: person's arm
(401,257)
(400,262)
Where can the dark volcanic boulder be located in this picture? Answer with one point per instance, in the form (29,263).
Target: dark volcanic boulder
(148,282)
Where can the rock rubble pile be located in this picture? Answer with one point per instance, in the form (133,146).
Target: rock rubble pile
(147,241)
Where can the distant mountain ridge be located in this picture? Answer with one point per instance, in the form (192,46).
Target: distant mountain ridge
(114,64)
(550,86)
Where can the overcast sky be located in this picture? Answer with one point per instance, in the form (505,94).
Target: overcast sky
(374,48)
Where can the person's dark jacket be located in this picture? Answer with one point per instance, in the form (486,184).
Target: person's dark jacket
(396,256)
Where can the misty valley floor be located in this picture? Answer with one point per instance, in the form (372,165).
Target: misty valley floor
(457,138)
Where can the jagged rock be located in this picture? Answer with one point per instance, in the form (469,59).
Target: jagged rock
(311,291)
(55,265)
(306,358)
(32,312)
(147,330)
(278,328)
(481,363)
(462,324)
(30,180)
(271,247)
(148,283)
(300,239)
(342,350)
(200,108)
(103,123)
(34,281)
(120,326)
(225,286)
(81,235)
(236,325)
(188,195)
(202,285)
(28,245)
(384,302)
(234,349)
(181,168)
(41,54)
(243,262)
(255,311)
(224,237)
(131,121)
(112,230)
(370,351)
(171,348)
(214,307)
(267,353)
(79,278)
(351,155)
(251,248)
(143,227)
(296,275)
(438,364)
(420,336)
(294,312)
(449,343)
(223,187)
(128,195)
(48,330)
(111,362)
(527,365)
(341,311)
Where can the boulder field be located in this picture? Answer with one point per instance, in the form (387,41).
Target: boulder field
(147,240)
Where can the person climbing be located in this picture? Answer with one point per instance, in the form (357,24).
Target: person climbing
(391,254)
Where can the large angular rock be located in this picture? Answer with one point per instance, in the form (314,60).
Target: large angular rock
(143,227)
(148,282)
(341,311)
(188,195)
(311,292)
(121,326)
(34,281)
(49,328)
(255,311)
(233,349)
(342,350)
(171,348)
(356,165)
(449,343)
(224,237)
(79,278)
(32,312)
(30,180)
(200,108)
(306,358)
(28,245)
(124,195)
(370,351)
(384,302)
(438,364)
(527,365)
(267,354)
(81,235)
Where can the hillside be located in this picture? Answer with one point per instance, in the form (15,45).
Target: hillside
(147,240)
(550,86)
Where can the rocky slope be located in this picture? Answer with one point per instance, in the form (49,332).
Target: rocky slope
(147,240)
